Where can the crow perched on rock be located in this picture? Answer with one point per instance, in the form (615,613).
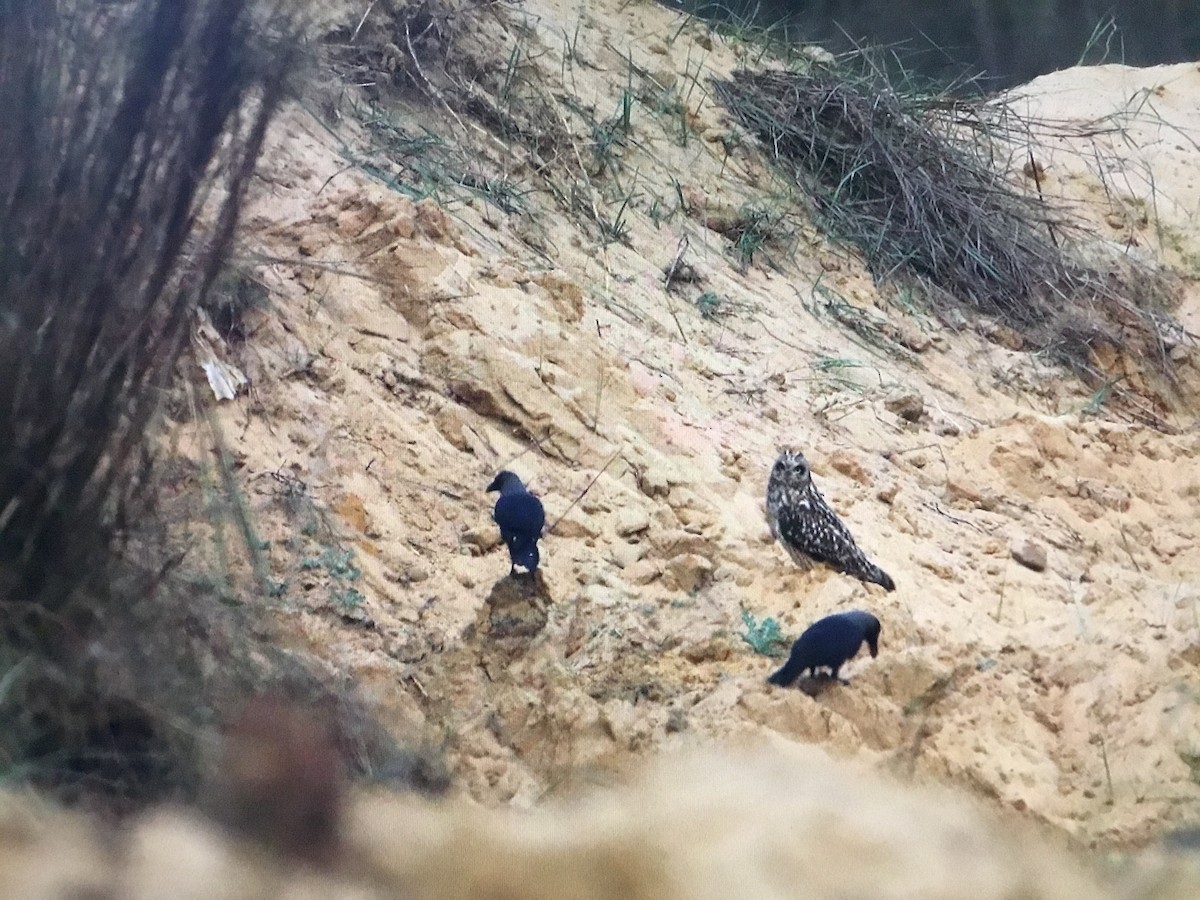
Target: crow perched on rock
(808,529)
(521,519)
(829,642)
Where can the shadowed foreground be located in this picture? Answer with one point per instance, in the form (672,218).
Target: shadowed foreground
(765,824)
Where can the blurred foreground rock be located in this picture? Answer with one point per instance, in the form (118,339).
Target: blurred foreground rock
(772,822)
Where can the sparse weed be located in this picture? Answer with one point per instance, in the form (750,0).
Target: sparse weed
(1099,399)
(752,234)
(1099,45)
(623,119)
(910,178)
(832,371)
(753,229)
(127,157)
(510,73)
(606,143)
(340,564)
(348,599)
(571,45)
(428,165)
(710,305)
(341,567)
(235,294)
(330,558)
(616,229)
(763,635)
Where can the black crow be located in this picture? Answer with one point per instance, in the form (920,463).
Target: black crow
(829,642)
(521,519)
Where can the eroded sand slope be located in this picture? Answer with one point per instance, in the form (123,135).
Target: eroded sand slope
(413,348)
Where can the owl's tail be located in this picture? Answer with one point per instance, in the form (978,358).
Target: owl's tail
(865,570)
(880,577)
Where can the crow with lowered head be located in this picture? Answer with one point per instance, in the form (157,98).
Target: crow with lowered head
(829,643)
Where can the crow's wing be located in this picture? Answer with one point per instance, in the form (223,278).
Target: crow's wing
(520,513)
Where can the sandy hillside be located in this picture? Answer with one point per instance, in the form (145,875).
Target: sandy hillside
(419,335)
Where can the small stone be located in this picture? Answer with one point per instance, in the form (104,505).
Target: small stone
(1030,554)
(712,650)
(818,54)
(849,465)
(576,524)
(914,340)
(1003,336)
(959,489)
(643,572)
(481,539)
(654,482)
(688,571)
(625,554)
(907,404)
(631,521)
(588,576)
(695,520)
(415,573)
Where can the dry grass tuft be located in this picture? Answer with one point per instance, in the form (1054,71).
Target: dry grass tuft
(915,183)
(123,161)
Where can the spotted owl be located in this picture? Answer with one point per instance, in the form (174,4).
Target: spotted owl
(809,530)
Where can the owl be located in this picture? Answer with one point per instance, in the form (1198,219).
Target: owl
(809,530)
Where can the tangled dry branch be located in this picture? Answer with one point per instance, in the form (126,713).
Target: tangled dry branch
(913,182)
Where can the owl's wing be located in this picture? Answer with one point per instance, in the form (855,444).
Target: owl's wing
(817,534)
(778,519)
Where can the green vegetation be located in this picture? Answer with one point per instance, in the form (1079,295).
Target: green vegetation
(763,635)
(117,144)
(908,179)
(135,591)
(339,565)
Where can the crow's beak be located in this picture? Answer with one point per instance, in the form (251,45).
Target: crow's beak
(494,486)
(874,649)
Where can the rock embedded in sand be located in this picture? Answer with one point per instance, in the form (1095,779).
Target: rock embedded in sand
(907,404)
(1030,554)
(631,521)
(688,571)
